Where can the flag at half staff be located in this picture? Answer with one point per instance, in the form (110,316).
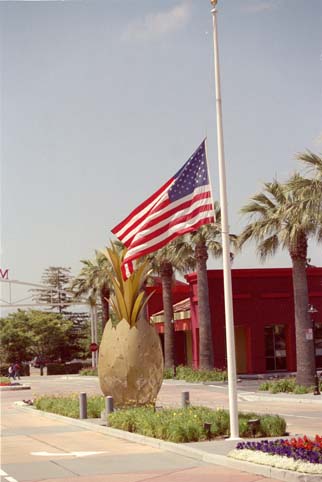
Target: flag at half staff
(182,204)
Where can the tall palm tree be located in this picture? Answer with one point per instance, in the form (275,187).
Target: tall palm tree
(164,262)
(93,281)
(310,189)
(195,247)
(275,224)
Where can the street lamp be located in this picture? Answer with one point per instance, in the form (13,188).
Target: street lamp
(174,351)
(312,310)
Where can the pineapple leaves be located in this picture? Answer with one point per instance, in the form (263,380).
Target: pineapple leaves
(129,296)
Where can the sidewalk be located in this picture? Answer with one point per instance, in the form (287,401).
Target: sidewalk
(213,452)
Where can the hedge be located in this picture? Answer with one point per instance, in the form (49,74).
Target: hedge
(65,368)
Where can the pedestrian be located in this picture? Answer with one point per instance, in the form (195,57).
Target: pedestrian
(11,373)
(17,369)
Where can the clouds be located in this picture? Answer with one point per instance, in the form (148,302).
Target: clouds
(157,24)
(318,139)
(258,6)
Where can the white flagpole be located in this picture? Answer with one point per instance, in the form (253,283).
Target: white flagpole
(229,316)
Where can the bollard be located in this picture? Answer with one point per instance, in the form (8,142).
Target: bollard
(109,407)
(82,405)
(185,399)
(253,426)
(207,429)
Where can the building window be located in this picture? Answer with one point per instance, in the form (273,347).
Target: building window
(275,347)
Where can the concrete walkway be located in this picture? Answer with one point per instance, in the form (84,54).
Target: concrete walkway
(38,446)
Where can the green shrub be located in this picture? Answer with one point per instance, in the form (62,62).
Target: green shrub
(175,425)
(187,425)
(191,375)
(299,389)
(284,385)
(88,372)
(73,367)
(64,368)
(272,425)
(56,369)
(69,405)
(168,373)
(4,380)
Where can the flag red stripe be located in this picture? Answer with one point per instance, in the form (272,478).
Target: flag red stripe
(140,208)
(190,224)
(162,243)
(138,223)
(153,219)
(170,224)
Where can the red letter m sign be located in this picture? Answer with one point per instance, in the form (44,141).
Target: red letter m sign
(4,274)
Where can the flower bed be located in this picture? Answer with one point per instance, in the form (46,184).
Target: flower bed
(4,382)
(299,454)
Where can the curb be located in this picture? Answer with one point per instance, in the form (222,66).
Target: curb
(181,449)
(250,397)
(14,387)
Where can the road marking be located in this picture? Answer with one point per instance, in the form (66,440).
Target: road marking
(11,479)
(2,472)
(66,454)
(297,416)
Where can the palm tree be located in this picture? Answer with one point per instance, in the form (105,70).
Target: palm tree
(310,189)
(164,262)
(195,247)
(93,281)
(276,225)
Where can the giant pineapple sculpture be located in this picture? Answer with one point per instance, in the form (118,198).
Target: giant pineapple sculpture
(130,364)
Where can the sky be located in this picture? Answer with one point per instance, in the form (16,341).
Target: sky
(102,101)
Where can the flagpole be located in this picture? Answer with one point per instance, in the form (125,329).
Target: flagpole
(229,316)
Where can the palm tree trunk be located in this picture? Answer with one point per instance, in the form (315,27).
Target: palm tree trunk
(166,272)
(206,356)
(305,352)
(105,296)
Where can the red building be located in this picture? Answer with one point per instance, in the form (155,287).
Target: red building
(263,319)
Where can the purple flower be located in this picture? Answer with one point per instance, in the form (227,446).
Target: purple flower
(278,447)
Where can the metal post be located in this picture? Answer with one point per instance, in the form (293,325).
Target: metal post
(185,399)
(82,405)
(109,407)
(230,339)
(174,349)
(109,404)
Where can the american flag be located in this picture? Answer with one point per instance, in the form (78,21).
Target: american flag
(182,204)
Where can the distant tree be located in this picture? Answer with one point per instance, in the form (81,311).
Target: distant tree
(56,280)
(93,283)
(26,334)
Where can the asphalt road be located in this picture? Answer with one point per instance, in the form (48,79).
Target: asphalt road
(35,448)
